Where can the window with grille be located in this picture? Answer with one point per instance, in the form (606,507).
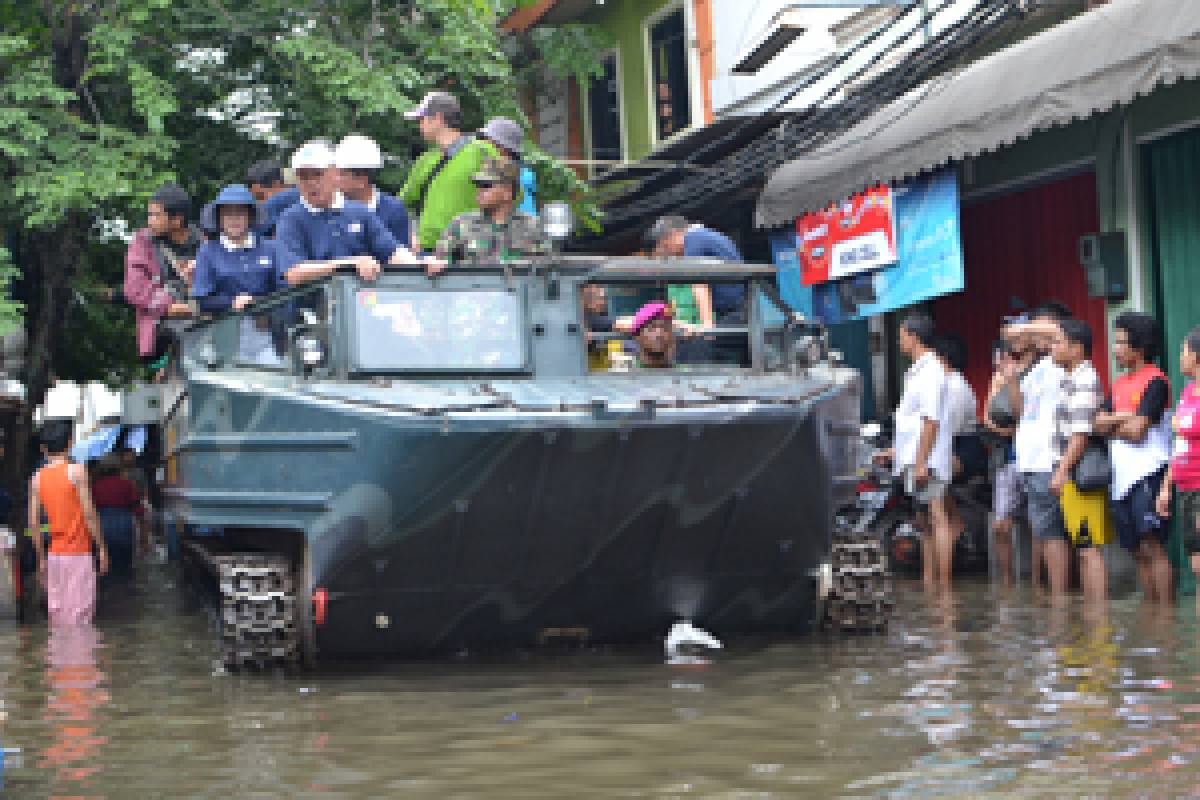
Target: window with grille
(604,112)
(669,63)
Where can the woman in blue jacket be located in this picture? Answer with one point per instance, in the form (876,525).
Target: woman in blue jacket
(237,266)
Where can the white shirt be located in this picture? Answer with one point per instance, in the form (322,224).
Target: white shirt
(231,245)
(961,405)
(924,398)
(339,200)
(1034,439)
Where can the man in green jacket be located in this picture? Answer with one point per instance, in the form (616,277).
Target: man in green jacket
(439,187)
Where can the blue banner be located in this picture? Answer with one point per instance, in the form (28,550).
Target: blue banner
(929,264)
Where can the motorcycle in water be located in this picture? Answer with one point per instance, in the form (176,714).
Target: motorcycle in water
(882,508)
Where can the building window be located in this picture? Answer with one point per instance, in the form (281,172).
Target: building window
(604,112)
(669,65)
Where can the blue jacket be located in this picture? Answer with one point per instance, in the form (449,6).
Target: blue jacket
(222,273)
(393,214)
(303,234)
(273,207)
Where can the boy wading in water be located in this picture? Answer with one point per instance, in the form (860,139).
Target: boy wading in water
(68,573)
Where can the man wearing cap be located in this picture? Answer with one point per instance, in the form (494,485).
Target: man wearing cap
(325,230)
(653,331)
(497,231)
(439,186)
(239,265)
(265,179)
(507,136)
(359,160)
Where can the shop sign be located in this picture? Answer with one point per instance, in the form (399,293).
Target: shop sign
(928,258)
(855,236)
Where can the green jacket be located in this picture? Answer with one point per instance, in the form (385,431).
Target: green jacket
(451,193)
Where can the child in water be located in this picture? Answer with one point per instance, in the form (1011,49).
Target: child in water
(68,573)
(1184,472)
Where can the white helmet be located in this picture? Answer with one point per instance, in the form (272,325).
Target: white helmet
(316,154)
(358,152)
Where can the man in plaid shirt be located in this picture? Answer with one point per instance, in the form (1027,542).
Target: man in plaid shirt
(1079,399)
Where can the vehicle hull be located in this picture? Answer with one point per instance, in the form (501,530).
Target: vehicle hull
(432,535)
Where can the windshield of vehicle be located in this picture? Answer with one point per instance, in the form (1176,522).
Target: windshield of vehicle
(438,331)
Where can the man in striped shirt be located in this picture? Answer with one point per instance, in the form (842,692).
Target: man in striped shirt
(1079,399)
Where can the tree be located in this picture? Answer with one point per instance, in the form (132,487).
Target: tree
(101,101)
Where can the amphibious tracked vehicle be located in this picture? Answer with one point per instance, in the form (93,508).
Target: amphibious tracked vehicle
(416,465)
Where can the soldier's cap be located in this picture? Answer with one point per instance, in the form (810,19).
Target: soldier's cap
(495,170)
(648,312)
(434,103)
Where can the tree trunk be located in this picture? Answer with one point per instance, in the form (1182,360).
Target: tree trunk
(53,257)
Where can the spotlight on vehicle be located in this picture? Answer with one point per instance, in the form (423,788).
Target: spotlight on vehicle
(557,221)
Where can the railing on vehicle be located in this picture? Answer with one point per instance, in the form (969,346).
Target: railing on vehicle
(517,319)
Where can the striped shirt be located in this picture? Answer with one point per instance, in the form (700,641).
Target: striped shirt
(1079,398)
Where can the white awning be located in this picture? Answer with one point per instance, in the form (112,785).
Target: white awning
(1088,64)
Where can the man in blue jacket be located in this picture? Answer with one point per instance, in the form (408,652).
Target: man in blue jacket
(325,231)
(265,179)
(359,159)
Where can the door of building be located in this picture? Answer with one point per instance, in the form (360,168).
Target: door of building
(1022,249)
(1173,190)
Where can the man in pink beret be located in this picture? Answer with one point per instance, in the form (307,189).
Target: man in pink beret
(652,330)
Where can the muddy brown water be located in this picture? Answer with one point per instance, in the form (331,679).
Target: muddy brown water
(988,695)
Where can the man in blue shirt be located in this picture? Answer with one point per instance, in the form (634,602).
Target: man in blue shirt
(674,236)
(325,230)
(265,179)
(718,303)
(359,160)
(238,266)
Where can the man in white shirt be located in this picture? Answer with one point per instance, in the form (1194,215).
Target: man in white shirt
(923,444)
(1036,394)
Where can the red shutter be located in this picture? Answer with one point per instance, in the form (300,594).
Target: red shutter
(1024,245)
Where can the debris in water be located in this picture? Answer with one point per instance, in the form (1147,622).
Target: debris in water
(685,643)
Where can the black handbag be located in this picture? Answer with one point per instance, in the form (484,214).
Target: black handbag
(1093,471)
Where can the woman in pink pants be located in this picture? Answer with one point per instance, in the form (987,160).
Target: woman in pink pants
(68,573)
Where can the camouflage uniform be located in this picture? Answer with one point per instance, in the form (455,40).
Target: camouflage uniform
(473,237)
(476,237)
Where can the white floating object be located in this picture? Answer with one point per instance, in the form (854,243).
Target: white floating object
(685,642)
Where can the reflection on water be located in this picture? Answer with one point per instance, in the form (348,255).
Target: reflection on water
(983,694)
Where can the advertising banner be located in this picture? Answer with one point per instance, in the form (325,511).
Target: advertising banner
(928,263)
(855,236)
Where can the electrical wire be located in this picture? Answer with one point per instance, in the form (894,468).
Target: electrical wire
(826,122)
(797,137)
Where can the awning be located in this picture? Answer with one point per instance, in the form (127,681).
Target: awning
(1088,64)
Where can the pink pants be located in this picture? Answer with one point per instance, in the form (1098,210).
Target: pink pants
(70,589)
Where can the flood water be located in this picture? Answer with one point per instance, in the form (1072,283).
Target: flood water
(989,695)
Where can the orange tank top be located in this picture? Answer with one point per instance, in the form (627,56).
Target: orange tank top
(68,531)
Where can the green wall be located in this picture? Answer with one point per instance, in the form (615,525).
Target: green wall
(622,21)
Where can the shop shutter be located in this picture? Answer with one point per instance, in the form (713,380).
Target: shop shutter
(1023,246)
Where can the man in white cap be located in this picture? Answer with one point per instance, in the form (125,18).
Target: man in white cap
(359,160)
(325,231)
(439,187)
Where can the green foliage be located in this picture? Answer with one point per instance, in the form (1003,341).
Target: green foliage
(100,103)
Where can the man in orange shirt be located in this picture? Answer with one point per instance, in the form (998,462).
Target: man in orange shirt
(68,573)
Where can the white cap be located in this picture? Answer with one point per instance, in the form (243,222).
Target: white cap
(316,154)
(358,152)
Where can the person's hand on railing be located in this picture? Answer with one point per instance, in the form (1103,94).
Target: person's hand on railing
(366,266)
(241,301)
(433,265)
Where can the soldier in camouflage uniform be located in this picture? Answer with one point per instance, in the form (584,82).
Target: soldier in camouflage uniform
(498,231)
